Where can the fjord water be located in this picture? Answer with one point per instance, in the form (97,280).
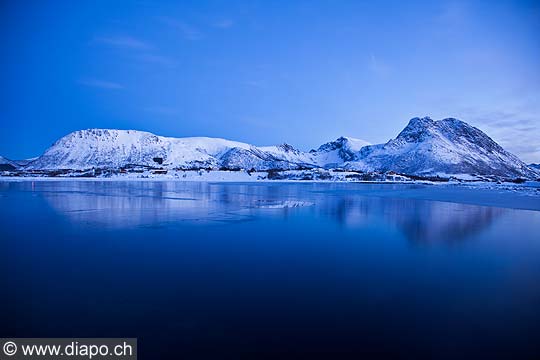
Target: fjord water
(277,270)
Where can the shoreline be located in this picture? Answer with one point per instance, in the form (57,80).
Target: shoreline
(247,180)
(525,196)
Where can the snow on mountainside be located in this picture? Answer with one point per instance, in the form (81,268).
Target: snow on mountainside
(24,162)
(535,168)
(103,148)
(444,147)
(7,165)
(266,158)
(3,160)
(336,152)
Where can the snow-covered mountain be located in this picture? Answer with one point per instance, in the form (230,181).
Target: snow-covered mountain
(425,147)
(7,165)
(103,148)
(335,153)
(445,147)
(266,158)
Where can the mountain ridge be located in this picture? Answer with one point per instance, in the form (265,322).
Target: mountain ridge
(425,147)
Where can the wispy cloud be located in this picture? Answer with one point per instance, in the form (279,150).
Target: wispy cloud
(124,41)
(102,84)
(517,132)
(187,31)
(137,49)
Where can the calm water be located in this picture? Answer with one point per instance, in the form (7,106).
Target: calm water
(226,271)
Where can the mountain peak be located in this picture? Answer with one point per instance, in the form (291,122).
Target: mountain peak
(344,142)
(425,119)
(416,129)
(341,149)
(288,148)
(447,146)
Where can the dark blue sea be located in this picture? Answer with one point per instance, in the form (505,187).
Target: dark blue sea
(273,270)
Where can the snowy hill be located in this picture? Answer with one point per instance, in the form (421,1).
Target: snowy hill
(266,158)
(425,147)
(103,148)
(7,165)
(334,153)
(445,147)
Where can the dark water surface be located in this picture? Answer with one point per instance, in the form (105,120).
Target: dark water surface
(228,271)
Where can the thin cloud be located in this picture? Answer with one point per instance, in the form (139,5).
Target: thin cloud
(102,84)
(138,49)
(516,132)
(188,31)
(126,42)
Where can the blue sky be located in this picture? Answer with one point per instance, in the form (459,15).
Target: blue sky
(268,72)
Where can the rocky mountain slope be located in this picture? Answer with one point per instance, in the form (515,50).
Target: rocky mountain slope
(335,153)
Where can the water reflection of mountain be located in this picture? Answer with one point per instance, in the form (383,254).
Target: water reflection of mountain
(421,221)
(129,204)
